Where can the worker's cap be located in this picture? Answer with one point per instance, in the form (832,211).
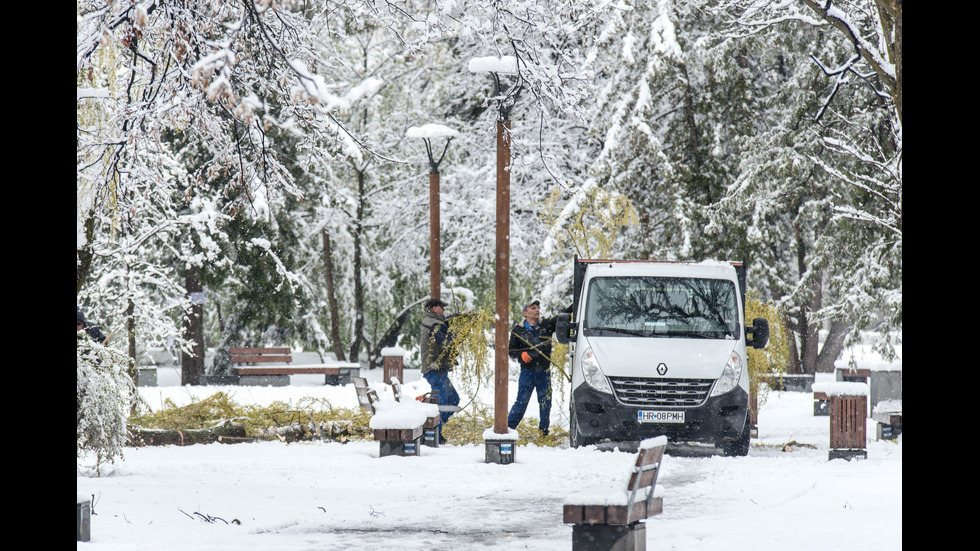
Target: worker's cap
(528,305)
(433,302)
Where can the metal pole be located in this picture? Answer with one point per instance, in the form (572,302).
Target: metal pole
(502,272)
(435,289)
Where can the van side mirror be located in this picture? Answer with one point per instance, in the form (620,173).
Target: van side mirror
(565,330)
(759,333)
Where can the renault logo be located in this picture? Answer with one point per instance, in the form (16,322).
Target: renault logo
(662,369)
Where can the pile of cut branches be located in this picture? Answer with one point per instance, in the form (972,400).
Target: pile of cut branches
(219,419)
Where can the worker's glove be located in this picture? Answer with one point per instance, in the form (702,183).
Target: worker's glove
(526,357)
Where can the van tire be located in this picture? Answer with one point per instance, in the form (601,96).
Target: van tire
(574,438)
(740,446)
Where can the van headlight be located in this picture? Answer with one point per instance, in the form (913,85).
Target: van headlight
(729,376)
(593,375)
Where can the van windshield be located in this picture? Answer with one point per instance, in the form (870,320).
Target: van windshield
(662,307)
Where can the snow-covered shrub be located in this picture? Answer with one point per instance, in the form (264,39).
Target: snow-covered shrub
(105,395)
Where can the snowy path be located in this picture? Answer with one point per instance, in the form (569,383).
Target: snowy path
(335,496)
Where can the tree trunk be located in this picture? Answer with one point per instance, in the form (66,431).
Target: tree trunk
(795,368)
(192,364)
(131,335)
(890,12)
(358,337)
(832,347)
(338,346)
(225,431)
(693,141)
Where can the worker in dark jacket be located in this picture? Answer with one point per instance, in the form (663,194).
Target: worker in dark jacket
(530,345)
(90,328)
(437,360)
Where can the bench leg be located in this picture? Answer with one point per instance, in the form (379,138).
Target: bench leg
(400,447)
(430,437)
(609,537)
(888,432)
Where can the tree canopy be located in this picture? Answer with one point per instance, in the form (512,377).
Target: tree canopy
(262,150)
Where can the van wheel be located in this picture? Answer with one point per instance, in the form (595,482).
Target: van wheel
(739,447)
(575,439)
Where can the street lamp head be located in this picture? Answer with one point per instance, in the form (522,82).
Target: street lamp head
(496,66)
(504,65)
(429,131)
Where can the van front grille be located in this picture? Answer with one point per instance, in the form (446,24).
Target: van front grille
(650,392)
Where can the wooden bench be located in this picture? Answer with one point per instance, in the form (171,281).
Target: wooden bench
(430,430)
(888,416)
(852,375)
(278,374)
(366,396)
(612,518)
(399,427)
(821,402)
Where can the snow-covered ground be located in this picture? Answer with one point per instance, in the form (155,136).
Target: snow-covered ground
(305,496)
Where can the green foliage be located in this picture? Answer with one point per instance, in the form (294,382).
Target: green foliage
(772,360)
(256,419)
(587,224)
(468,425)
(465,427)
(472,333)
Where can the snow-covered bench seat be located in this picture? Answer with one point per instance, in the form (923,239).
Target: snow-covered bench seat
(888,415)
(398,426)
(430,430)
(622,506)
(279,367)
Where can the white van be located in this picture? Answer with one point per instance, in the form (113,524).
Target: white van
(658,348)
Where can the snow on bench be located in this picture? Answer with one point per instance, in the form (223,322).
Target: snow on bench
(279,366)
(622,506)
(888,416)
(398,426)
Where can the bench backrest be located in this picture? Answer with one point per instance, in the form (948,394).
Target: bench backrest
(396,389)
(644,474)
(260,355)
(365,396)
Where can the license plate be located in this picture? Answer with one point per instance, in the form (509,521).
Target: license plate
(646,416)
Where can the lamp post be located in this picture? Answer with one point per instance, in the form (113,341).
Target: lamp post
(505,100)
(428,132)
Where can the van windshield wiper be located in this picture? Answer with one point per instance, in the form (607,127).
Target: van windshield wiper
(634,332)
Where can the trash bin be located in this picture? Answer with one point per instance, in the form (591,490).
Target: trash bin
(394,364)
(83,519)
(848,420)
